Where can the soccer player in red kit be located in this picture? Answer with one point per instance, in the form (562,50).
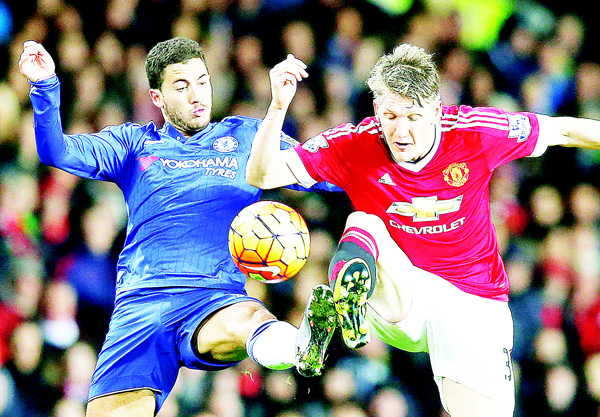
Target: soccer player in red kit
(418,263)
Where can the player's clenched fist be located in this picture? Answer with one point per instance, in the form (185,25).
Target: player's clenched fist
(35,63)
(284,79)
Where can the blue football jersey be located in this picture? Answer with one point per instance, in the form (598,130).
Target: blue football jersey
(181,193)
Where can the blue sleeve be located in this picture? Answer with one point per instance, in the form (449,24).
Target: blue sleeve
(96,156)
(286,143)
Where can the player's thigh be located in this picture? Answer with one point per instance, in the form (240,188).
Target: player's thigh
(394,289)
(470,341)
(224,334)
(463,401)
(141,403)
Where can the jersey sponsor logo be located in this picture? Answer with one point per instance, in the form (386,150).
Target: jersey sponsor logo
(519,126)
(425,209)
(225,167)
(146,161)
(221,172)
(314,144)
(225,144)
(429,230)
(456,174)
(218,162)
(386,179)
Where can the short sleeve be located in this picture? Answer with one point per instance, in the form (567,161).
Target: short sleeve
(504,136)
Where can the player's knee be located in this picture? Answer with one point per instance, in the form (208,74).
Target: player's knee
(237,332)
(225,334)
(248,320)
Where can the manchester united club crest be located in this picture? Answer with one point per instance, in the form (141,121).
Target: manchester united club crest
(456,174)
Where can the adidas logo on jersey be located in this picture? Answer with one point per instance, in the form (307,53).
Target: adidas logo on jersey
(386,179)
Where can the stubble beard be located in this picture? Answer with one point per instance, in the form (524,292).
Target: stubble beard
(187,127)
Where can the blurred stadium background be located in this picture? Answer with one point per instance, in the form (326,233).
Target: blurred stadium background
(59,236)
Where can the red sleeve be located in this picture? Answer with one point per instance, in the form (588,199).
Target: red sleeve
(328,155)
(504,136)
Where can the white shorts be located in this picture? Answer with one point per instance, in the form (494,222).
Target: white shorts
(469,338)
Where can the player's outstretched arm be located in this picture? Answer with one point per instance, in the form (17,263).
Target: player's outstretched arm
(96,156)
(266,167)
(37,65)
(570,131)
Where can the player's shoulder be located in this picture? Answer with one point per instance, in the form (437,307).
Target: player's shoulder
(464,118)
(242,128)
(464,111)
(240,122)
(366,127)
(369,126)
(249,125)
(130,131)
(349,136)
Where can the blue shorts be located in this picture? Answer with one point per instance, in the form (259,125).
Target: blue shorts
(150,338)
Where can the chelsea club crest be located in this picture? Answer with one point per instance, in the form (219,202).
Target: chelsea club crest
(225,144)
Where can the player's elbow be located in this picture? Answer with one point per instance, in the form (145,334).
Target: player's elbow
(259,178)
(268,174)
(47,159)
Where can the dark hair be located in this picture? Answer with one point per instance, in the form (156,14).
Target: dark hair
(172,51)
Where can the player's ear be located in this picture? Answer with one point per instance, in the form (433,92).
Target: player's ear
(156,97)
(438,111)
(375,107)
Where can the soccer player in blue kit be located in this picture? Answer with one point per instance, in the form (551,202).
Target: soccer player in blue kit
(180,300)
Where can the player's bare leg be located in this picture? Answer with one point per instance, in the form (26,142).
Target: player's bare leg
(393,293)
(367,250)
(224,334)
(463,401)
(392,299)
(141,403)
(248,329)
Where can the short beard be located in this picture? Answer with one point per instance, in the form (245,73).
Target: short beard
(178,123)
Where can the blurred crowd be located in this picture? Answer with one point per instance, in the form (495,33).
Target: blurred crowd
(59,235)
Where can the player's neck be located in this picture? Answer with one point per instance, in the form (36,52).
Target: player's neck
(186,133)
(430,147)
(425,154)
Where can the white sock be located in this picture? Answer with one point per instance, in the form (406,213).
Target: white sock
(273,345)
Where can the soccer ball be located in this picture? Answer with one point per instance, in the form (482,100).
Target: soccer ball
(269,241)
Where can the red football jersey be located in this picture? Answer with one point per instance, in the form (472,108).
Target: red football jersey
(437,209)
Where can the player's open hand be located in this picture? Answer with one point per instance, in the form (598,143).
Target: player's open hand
(284,80)
(36,63)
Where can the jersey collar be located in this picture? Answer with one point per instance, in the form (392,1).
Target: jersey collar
(169,130)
